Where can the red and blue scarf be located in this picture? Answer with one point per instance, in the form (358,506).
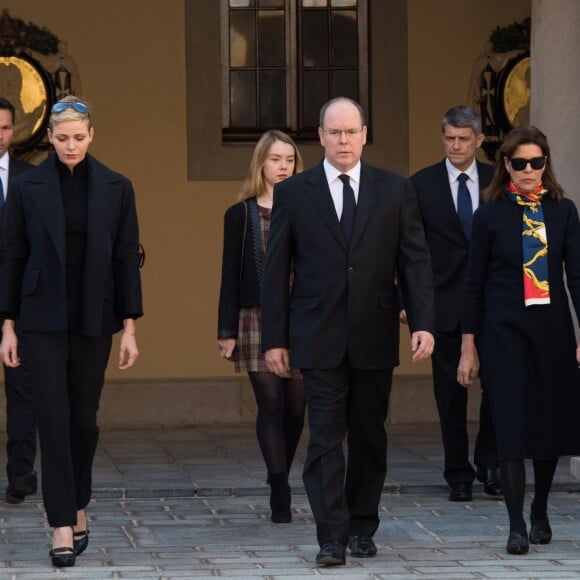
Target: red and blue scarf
(534,245)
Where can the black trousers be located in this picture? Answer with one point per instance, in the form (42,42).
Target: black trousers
(451,400)
(67,377)
(352,403)
(20,422)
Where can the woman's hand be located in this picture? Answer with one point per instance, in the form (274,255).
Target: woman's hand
(128,351)
(9,345)
(226,347)
(468,363)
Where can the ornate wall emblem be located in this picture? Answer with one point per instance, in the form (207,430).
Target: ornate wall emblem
(500,83)
(35,71)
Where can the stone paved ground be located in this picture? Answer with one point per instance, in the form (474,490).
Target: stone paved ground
(192,503)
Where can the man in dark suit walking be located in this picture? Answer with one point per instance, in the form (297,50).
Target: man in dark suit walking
(346,231)
(20,421)
(448,194)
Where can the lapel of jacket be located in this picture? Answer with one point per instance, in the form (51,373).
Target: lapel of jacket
(319,194)
(368,196)
(44,186)
(99,181)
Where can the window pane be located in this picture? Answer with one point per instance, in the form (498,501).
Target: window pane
(241,3)
(344,38)
(314,3)
(242,38)
(315,94)
(272,99)
(315,39)
(273,3)
(341,3)
(243,99)
(345,84)
(271,38)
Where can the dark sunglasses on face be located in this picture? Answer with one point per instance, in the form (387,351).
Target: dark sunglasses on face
(519,163)
(76,105)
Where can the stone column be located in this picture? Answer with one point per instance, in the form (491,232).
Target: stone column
(555,90)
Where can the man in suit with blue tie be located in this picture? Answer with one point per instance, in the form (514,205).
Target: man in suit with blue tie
(20,421)
(448,194)
(345,230)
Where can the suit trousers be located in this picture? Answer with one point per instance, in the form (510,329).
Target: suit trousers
(451,398)
(352,403)
(20,422)
(67,376)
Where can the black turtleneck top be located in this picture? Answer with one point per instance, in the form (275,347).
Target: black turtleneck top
(73,189)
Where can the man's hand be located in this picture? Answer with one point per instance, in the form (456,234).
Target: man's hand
(422,344)
(403,317)
(469,362)
(9,345)
(278,361)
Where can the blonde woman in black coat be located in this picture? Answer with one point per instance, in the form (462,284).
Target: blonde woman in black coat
(69,278)
(246,230)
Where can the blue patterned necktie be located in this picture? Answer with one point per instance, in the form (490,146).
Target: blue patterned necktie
(464,205)
(348,207)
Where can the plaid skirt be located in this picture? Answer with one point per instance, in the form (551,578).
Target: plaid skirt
(248,356)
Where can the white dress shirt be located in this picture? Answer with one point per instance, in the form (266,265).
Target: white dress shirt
(472,183)
(336,185)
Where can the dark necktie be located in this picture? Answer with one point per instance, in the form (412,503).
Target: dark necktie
(1,197)
(348,207)
(464,205)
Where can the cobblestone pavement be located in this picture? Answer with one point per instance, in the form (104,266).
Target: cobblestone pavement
(192,503)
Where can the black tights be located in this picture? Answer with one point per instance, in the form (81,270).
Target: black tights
(280,420)
(513,481)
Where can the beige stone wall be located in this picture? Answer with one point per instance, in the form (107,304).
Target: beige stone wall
(131,56)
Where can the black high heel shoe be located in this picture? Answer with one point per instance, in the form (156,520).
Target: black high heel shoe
(62,557)
(82,542)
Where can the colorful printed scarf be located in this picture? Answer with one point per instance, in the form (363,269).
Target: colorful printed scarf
(534,245)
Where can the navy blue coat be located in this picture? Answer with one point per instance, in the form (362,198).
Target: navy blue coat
(532,377)
(446,239)
(33,261)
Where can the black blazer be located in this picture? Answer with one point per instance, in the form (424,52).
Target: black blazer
(16,167)
(344,299)
(33,261)
(446,239)
(242,264)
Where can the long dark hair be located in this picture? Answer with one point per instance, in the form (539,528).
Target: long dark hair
(527,134)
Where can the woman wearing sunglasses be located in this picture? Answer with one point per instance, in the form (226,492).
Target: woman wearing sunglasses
(69,277)
(525,244)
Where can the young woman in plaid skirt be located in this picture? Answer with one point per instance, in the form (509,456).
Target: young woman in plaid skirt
(280,401)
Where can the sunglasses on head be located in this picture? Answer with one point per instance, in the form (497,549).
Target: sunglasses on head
(64,105)
(519,163)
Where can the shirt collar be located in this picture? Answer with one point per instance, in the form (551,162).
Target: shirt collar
(332,172)
(454,173)
(4,161)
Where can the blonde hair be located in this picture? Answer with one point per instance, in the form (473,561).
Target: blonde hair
(254,184)
(69,114)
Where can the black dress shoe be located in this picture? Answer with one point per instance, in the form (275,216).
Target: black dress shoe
(517,544)
(460,492)
(80,541)
(21,486)
(490,480)
(62,557)
(332,553)
(362,547)
(541,532)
